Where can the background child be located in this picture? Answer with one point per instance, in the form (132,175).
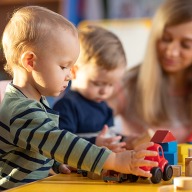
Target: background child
(41,47)
(83,109)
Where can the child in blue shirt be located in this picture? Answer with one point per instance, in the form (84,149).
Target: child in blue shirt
(100,66)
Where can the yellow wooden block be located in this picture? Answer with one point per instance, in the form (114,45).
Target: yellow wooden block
(183,152)
(183,148)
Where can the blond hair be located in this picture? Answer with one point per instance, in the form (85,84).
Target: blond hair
(152,87)
(100,47)
(29,28)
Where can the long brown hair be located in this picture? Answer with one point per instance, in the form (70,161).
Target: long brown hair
(151,87)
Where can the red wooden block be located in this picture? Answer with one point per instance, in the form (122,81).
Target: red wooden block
(163,136)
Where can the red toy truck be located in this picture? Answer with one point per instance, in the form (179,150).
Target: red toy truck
(164,170)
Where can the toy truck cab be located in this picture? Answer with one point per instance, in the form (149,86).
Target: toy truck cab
(164,170)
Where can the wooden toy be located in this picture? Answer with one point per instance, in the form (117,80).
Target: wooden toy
(183,152)
(169,144)
(190,152)
(184,183)
(188,166)
(177,170)
(164,170)
(163,136)
(113,176)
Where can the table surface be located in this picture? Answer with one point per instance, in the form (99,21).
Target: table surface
(76,182)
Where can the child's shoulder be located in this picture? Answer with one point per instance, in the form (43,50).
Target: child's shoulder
(68,99)
(16,104)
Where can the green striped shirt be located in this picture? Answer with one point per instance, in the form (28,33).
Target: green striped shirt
(30,140)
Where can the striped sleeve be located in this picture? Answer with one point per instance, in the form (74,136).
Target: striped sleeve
(36,130)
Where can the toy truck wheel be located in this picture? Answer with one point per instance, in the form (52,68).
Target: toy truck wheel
(132,178)
(84,173)
(167,173)
(120,180)
(156,175)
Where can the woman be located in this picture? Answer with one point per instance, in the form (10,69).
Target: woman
(157,94)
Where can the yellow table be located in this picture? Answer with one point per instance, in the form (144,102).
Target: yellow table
(75,182)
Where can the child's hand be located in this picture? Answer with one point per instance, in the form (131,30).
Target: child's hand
(130,161)
(66,169)
(111,143)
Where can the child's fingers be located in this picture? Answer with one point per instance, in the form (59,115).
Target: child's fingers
(71,168)
(104,131)
(142,173)
(117,147)
(143,153)
(142,162)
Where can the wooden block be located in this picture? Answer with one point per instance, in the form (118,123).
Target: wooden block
(188,166)
(171,158)
(183,183)
(183,148)
(190,152)
(170,147)
(177,170)
(163,136)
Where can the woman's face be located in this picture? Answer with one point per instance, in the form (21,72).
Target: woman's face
(174,49)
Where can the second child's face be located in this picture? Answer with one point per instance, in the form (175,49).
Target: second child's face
(53,67)
(97,84)
(175,48)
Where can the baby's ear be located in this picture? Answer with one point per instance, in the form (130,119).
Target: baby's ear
(28,60)
(73,71)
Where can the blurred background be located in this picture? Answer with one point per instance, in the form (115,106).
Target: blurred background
(129,19)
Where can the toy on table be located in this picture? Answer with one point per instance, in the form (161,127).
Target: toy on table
(184,183)
(164,170)
(169,144)
(82,172)
(113,176)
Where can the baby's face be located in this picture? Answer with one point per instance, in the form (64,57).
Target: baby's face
(97,84)
(54,63)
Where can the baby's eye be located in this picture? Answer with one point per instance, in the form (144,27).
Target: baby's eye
(96,83)
(63,67)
